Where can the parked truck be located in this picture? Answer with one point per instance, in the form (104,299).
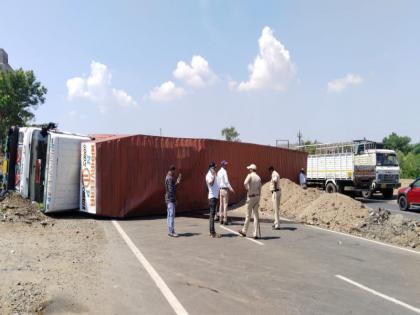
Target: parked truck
(360,167)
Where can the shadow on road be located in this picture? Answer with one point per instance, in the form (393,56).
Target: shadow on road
(288,228)
(188,234)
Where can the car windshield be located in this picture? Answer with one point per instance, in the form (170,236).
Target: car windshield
(386,159)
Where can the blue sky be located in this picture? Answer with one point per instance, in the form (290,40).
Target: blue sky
(336,70)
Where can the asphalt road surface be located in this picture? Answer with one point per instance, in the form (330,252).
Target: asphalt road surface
(392,205)
(297,270)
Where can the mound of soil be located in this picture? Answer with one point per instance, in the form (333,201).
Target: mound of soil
(340,213)
(335,211)
(14,209)
(391,228)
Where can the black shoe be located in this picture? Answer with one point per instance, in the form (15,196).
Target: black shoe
(216,219)
(256,237)
(242,233)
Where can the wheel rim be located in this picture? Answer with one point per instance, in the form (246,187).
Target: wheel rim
(403,203)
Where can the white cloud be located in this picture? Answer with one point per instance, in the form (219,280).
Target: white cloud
(339,85)
(197,74)
(272,67)
(98,89)
(167,91)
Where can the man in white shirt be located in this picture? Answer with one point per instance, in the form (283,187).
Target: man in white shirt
(275,196)
(213,187)
(225,187)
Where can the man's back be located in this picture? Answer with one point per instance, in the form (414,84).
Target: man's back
(254,184)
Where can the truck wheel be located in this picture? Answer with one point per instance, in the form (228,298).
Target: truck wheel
(330,188)
(403,203)
(388,193)
(366,194)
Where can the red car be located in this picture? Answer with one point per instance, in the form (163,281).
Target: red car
(409,196)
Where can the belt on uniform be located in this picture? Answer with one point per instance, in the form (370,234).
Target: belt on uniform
(275,190)
(224,188)
(250,196)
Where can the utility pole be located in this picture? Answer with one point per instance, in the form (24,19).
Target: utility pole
(300,136)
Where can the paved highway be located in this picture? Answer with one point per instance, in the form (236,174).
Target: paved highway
(298,270)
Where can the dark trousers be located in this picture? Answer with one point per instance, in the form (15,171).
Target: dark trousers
(213,206)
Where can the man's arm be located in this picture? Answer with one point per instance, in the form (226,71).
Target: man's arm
(246,182)
(228,184)
(211,179)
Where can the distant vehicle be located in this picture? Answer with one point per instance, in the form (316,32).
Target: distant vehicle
(409,196)
(359,167)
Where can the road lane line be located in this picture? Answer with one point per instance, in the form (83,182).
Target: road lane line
(386,297)
(167,293)
(364,239)
(248,238)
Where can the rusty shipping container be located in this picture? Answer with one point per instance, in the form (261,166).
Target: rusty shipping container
(124,176)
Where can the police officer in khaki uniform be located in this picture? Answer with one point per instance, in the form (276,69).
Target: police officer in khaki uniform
(275,196)
(253,185)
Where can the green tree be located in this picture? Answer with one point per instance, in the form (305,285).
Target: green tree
(230,134)
(396,142)
(410,165)
(20,94)
(416,148)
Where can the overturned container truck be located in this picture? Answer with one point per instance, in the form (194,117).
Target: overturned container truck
(359,167)
(124,176)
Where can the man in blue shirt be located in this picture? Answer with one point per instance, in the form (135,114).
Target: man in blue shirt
(170,198)
(302,178)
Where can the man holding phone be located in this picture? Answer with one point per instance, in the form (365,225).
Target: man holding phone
(213,187)
(170,198)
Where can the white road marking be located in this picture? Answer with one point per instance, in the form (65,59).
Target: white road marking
(167,293)
(365,239)
(248,238)
(386,297)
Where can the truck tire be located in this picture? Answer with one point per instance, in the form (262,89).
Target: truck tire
(367,194)
(388,193)
(331,188)
(403,203)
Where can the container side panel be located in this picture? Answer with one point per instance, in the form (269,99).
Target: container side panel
(130,171)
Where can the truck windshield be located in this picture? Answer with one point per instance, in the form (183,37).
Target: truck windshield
(386,159)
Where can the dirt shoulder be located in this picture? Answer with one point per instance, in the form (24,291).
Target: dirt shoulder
(48,265)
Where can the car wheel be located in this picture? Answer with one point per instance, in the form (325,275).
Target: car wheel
(366,194)
(403,203)
(331,188)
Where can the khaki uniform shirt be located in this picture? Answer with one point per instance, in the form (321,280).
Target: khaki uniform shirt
(275,181)
(253,184)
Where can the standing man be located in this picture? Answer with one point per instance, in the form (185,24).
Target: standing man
(225,187)
(213,187)
(253,186)
(275,196)
(170,198)
(302,178)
